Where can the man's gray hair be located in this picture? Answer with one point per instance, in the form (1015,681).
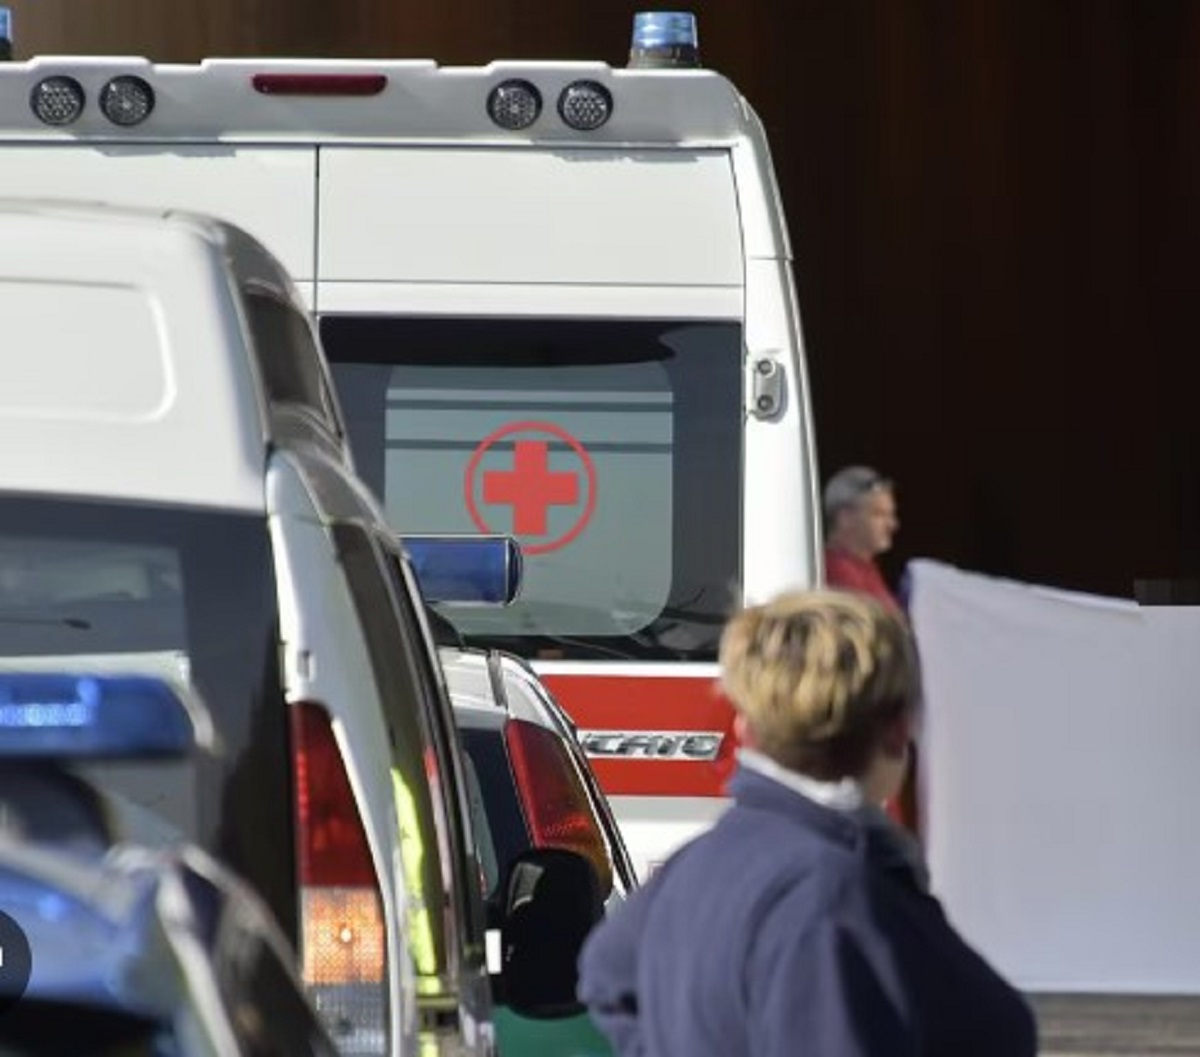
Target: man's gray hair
(848,486)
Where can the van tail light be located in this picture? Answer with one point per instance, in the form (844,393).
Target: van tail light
(556,802)
(343,940)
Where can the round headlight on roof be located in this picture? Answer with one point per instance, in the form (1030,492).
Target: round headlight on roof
(514,105)
(127,100)
(585,105)
(57,100)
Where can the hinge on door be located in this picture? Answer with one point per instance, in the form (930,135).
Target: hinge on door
(766,388)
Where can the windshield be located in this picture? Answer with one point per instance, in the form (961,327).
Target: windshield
(186,594)
(610,448)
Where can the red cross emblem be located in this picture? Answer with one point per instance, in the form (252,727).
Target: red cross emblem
(530,487)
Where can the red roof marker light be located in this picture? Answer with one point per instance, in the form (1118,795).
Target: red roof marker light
(328,84)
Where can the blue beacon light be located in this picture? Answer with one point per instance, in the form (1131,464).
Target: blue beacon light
(664,40)
(480,570)
(5,34)
(63,716)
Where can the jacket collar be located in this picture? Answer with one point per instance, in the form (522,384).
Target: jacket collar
(865,827)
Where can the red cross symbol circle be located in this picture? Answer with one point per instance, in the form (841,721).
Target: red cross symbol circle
(531,488)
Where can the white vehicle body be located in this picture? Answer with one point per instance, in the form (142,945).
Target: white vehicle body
(441,251)
(161,365)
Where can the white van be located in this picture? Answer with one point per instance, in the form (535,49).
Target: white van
(176,496)
(558,302)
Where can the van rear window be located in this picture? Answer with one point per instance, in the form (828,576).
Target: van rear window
(187,594)
(610,448)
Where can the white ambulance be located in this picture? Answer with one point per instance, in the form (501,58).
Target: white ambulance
(558,301)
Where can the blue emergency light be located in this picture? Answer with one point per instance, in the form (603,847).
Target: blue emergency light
(467,570)
(60,716)
(664,39)
(5,34)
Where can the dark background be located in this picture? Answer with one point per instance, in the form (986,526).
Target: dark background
(994,206)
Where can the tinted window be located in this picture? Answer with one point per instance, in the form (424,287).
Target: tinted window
(290,363)
(610,449)
(502,815)
(189,594)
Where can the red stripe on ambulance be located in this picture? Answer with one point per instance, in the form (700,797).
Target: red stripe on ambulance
(661,736)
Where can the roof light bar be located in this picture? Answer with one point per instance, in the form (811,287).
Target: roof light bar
(320,84)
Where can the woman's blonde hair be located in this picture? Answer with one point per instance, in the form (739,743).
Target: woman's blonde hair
(818,675)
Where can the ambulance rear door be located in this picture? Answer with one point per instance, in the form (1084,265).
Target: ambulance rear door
(268,190)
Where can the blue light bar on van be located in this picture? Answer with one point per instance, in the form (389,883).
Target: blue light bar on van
(664,39)
(63,716)
(479,570)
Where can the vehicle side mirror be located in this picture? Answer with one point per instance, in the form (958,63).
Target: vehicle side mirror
(552,902)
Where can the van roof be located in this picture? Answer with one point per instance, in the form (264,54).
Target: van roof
(414,100)
(126,372)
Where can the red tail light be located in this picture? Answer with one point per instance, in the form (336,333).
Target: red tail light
(343,938)
(333,844)
(319,83)
(556,803)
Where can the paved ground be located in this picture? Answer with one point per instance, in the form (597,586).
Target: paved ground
(1118,1026)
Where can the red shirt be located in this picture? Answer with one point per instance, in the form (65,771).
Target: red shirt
(852,573)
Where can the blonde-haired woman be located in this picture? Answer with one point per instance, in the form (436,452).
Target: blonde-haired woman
(800,924)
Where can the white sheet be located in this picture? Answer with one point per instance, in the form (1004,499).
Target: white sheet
(1061,780)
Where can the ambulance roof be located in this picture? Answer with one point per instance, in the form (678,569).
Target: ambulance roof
(243,100)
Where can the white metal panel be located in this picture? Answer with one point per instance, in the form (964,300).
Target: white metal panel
(547,302)
(124,369)
(764,226)
(462,215)
(270,192)
(780,512)
(65,378)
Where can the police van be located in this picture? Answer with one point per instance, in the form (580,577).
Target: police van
(558,301)
(177,499)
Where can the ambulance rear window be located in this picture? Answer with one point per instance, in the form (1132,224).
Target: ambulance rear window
(610,448)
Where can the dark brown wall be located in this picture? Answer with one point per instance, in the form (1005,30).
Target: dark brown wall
(995,207)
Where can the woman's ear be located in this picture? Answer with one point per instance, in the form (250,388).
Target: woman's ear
(897,735)
(742,732)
